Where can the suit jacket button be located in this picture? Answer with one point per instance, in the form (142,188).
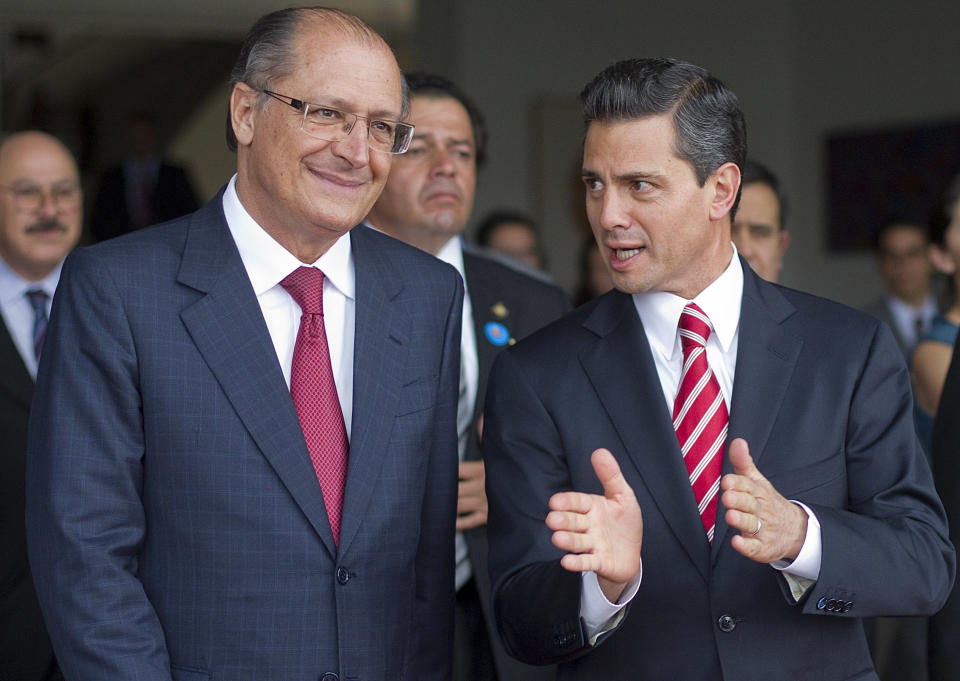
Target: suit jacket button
(329,676)
(822,603)
(726,623)
(343,576)
(848,606)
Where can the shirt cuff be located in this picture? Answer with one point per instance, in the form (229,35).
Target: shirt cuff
(600,615)
(804,570)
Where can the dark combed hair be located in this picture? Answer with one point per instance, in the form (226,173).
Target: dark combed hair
(269,52)
(755,172)
(433,85)
(710,127)
(488,225)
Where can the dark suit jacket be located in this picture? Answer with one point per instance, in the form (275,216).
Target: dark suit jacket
(174,518)
(945,625)
(25,652)
(500,294)
(822,396)
(173,197)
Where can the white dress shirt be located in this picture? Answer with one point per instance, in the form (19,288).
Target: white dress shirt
(452,254)
(17,311)
(660,313)
(268,263)
(905,317)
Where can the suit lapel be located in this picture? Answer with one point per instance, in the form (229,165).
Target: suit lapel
(15,380)
(621,368)
(483,297)
(228,328)
(380,348)
(766,357)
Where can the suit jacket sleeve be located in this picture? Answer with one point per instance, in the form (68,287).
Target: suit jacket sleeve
(536,601)
(885,550)
(85,516)
(435,555)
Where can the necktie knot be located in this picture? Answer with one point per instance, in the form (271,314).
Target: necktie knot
(694,327)
(305,285)
(38,299)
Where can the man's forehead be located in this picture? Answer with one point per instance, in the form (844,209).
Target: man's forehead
(356,75)
(30,155)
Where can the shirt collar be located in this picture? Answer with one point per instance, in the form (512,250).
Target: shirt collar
(268,263)
(13,286)
(452,254)
(720,301)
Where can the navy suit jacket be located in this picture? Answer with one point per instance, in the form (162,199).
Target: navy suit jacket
(522,304)
(822,396)
(25,652)
(175,523)
(945,625)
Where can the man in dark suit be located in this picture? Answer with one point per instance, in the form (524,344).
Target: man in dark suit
(189,515)
(826,510)
(945,625)
(143,190)
(40,217)
(427,203)
(909,305)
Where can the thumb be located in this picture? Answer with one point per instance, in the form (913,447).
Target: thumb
(608,472)
(741,460)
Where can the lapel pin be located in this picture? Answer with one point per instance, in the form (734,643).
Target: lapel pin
(499,310)
(497,333)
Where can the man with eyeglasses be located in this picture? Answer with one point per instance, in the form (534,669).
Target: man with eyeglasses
(40,220)
(247,467)
(909,306)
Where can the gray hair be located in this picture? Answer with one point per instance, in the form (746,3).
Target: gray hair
(269,51)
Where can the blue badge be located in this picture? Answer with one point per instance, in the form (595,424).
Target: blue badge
(497,333)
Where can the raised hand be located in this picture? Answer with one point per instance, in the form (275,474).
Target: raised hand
(600,533)
(771,527)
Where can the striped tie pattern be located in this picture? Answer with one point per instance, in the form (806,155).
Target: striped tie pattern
(314,393)
(700,415)
(38,300)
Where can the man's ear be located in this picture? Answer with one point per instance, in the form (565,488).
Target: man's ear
(243,102)
(725,181)
(784,241)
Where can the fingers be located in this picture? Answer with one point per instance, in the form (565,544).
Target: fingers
(741,460)
(471,470)
(572,502)
(608,473)
(470,521)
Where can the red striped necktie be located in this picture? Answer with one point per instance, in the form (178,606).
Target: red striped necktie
(315,393)
(700,415)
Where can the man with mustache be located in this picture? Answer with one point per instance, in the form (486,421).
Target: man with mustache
(427,203)
(40,216)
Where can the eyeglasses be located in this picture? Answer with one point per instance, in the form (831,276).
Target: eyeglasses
(333,125)
(29,196)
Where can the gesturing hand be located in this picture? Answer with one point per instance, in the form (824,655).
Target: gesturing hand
(754,504)
(601,533)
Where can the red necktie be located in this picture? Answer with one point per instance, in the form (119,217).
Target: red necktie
(700,415)
(315,393)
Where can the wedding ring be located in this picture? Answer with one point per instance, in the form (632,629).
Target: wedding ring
(756,531)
